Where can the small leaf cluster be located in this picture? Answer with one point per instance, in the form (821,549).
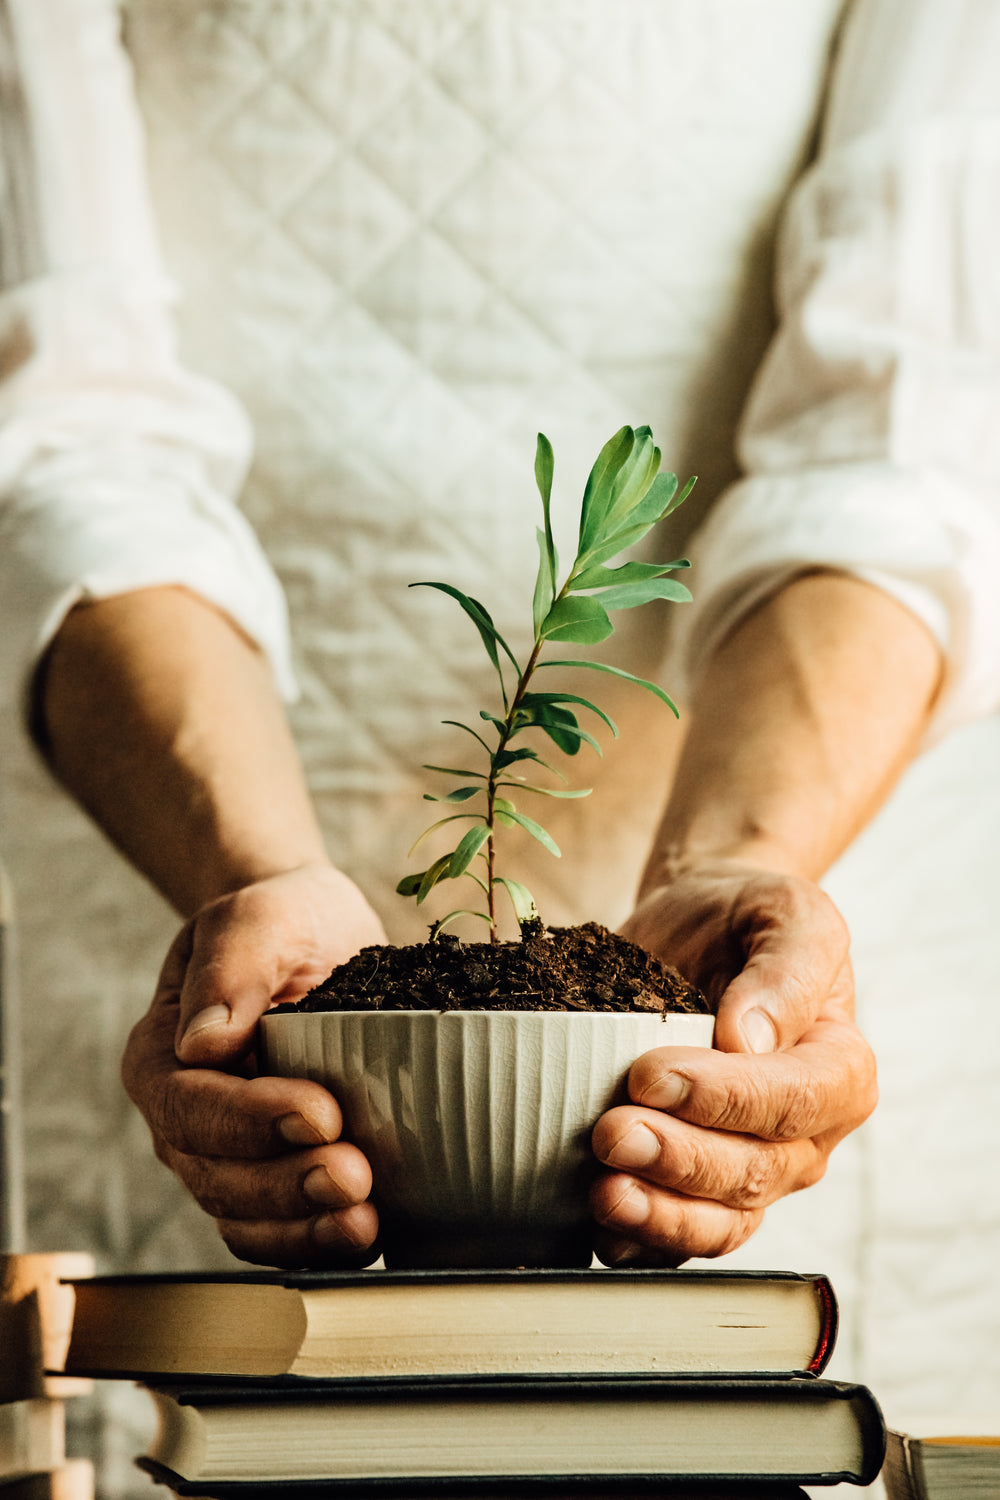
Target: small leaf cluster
(626,495)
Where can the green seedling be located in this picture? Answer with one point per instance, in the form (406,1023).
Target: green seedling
(624,498)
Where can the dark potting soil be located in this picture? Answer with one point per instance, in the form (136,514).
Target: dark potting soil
(562,968)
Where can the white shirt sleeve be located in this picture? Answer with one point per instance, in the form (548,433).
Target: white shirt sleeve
(871,439)
(118,468)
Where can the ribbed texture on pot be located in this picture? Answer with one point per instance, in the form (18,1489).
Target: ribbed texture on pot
(474,1121)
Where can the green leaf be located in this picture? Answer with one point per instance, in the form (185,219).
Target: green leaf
(562,728)
(688,487)
(541,600)
(521,898)
(659,502)
(454,724)
(579,619)
(467,851)
(500,725)
(656,503)
(457,770)
(630,595)
(597,577)
(544,465)
(604,550)
(600,484)
(410,884)
(602,666)
(633,481)
(508,819)
(435,872)
(455,818)
(462,911)
(546,791)
(480,617)
(538,700)
(460,794)
(511,757)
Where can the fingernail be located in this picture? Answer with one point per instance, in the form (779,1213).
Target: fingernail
(319,1187)
(297,1131)
(666,1092)
(332,1233)
(759,1032)
(626,1254)
(212,1015)
(632,1207)
(637,1148)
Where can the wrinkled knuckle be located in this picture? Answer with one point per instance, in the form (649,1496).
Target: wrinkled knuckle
(726,1102)
(173,1115)
(798,1110)
(691,1167)
(760,1183)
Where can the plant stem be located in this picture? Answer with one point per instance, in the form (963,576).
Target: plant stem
(491,785)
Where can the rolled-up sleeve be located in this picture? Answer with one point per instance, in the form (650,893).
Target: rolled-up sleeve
(871,439)
(118,468)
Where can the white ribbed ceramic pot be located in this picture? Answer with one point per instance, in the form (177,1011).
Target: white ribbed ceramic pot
(476,1123)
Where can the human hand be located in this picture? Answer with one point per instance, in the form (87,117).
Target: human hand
(712,1137)
(262,1155)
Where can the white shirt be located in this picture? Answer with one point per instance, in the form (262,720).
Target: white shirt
(870,442)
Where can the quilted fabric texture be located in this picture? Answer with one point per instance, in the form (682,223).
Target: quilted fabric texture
(408,236)
(378,198)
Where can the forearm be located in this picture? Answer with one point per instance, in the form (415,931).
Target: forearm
(799,727)
(161,718)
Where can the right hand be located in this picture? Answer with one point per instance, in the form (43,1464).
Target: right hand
(264,1156)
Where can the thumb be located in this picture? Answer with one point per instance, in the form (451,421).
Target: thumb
(781,991)
(225,987)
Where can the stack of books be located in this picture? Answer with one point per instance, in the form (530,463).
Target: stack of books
(518,1384)
(35,1316)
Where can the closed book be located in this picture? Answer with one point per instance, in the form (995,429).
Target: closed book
(960,1467)
(585,1430)
(381,1324)
(32,1436)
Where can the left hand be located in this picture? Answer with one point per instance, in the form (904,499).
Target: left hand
(714,1136)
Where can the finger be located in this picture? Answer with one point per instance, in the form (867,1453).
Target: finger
(740,1171)
(203,1112)
(295,1186)
(341,1238)
(824,1084)
(225,975)
(270,941)
(796,968)
(669,1222)
(616,1250)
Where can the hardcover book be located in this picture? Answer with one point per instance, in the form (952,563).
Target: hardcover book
(583,1433)
(941,1468)
(384,1324)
